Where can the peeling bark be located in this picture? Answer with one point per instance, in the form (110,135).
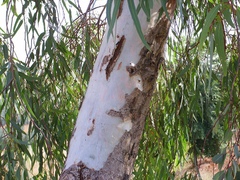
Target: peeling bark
(133,113)
(114,58)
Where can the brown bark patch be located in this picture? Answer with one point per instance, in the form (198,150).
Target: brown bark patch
(120,9)
(91,129)
(114,58)
(119,66)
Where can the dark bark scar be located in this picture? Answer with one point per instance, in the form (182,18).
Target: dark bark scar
(120,9)
(91,129)
(117,51)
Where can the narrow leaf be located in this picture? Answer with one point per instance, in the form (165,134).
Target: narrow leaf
(217,158)
(236,150)
(229,174)
(40,37)
(137,23)
(18,141)
(228,135)
(219,175)
(210,17)
(17,79)
(61,58)
(235,167)
(183,71)
(17,127)
(29,78)
(228,17)
(18,27)
(211,63)
(108,11)
(163,2)
(5,51)
(114,17)
(2,71)
(22,67)
(219,38)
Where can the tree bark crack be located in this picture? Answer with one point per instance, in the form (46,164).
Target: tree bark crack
(116,53)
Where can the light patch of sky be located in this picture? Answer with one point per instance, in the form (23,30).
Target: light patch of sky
(19,39)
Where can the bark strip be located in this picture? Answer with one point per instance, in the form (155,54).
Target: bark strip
(120,9)
(114,58)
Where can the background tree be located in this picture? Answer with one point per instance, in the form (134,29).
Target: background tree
(45,89)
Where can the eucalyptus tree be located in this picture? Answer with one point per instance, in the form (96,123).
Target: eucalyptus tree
(47,88)
(106,137)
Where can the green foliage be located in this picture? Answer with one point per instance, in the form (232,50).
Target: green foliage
(193,112)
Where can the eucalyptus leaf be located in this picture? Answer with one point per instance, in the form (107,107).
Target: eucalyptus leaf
(219,175)
(228,17)
(228,135)
(137,23)
(219,40)
(236,151)
(217,158)
(210,17)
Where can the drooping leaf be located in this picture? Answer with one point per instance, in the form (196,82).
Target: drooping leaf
(229,175)
(163,2)
(24,68)
(19,141)
(27,77)
(217,158)
(236,151)
(219,175)
(228,17)
(3,71)
(211,63)
(228,135)
(5,51)
(220,165)
(63,61)
(17,127)
(219,39)
(235,168)
(40,37)
(184,71)
(137,23)
(113,18)
(210,17)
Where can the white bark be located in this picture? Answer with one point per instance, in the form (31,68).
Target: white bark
(96,132)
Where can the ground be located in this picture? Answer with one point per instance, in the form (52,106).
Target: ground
(207,169)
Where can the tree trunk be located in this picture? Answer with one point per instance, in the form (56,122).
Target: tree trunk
(109,126)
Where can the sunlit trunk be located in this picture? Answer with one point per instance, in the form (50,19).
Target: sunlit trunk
(109,126)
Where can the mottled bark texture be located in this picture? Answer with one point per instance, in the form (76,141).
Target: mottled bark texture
(120,162)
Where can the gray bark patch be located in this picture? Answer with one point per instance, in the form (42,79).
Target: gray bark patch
(104,61)
(116,53)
